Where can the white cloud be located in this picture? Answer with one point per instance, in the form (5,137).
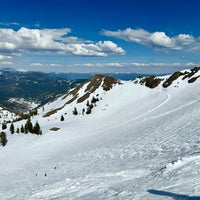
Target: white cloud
(191,64)
(100,65)
(6,63)
(3,57)
(157,40)
(136,64)
(9,24)
(37,65)
(52,41)
(99,49)
(55,65)
(131,64)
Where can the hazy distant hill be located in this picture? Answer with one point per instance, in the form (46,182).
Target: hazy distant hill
(19,88)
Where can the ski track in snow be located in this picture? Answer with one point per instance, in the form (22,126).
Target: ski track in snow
(143,114)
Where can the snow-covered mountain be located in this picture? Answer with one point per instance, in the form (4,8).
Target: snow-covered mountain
(140,141)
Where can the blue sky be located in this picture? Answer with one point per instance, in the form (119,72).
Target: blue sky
(137,36)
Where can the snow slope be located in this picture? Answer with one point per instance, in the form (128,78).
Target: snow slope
(138,143)
(6,115)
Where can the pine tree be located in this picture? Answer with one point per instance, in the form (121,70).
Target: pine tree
(62,118)
(3,138)
(91,106)
(4,126)
(28,126)
(88,111)
(22,129)
(83,111)
(75,112)
(12,128)
(36,128)
(17,131)
(25,129)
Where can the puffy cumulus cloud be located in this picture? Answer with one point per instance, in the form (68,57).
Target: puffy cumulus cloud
(56,41)
(98,49)
(157,40)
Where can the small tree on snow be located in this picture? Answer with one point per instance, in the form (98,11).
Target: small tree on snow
(22,129)
(88,111)
(28,126)
(62,118)
(4,126)
(12,128)
(75,112)
(17,131)
(3,138)
(36,129)
(87,104)
(83,111)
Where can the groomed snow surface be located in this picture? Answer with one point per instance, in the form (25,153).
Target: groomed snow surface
(138,143)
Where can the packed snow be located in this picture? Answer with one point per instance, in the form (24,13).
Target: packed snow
(138,143)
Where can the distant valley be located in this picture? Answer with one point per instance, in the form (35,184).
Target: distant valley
(21,91)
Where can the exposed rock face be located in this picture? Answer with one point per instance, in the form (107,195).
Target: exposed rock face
(191,73)
(78,95)
(151,81)
(107,82)
(172,78)
(192,80)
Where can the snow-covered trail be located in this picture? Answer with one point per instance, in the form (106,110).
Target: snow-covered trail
(143,115)
(127,167)
(141,153)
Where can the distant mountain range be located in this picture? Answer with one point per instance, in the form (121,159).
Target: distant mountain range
(22,91)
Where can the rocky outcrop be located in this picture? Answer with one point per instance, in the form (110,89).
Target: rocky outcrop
(83,91)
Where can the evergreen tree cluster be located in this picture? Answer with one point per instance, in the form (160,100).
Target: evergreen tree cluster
(27,128)
(91,105)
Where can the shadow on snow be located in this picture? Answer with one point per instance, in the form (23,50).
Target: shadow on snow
(174,195)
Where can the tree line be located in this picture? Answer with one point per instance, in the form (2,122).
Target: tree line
(28,127)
